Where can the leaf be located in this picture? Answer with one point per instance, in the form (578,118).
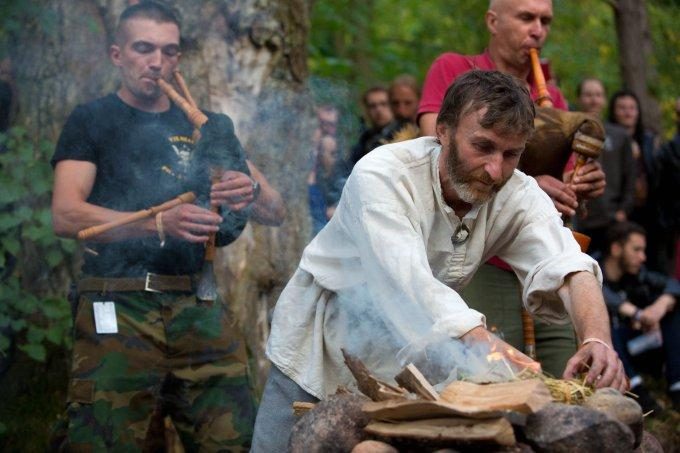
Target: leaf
(54,257)
(56,335)
(11,244)
(18,324)
(35,335)
(35,351)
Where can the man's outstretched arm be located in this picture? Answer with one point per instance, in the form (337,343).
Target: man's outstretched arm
(583,300)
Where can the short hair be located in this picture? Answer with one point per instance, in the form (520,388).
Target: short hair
(509,105)
(373,89)
(407,81)
(147,9)
(579,87)
(619,233)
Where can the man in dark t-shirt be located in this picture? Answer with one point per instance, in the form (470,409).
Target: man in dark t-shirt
(144,343)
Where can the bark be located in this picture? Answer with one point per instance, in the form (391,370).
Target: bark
(635,52)
(246,58)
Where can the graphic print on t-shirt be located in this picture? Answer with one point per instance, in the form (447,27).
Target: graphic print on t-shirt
(183,147)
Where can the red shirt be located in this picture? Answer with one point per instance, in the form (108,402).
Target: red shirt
(447,67)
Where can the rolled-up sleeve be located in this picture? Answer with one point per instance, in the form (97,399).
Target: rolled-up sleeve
(543,254)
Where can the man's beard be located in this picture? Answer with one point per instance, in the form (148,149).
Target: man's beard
(461,178)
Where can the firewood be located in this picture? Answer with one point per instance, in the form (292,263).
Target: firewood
(369,385)
(446,431)
(526,396)
(398,410)
(302,407)
(413,380)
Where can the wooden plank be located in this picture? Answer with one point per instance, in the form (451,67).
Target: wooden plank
(525,396)
(369,385)
(413,380)
(451,430)
(396,410)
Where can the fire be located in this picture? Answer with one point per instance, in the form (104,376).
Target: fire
(512,360)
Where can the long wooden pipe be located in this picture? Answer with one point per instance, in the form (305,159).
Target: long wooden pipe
(96,230)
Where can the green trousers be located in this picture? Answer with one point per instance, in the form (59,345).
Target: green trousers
(172,355)
(496,293)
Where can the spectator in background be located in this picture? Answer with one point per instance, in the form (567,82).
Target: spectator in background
(404,95)
(640,301)
(381,120)
(616,204)
(325,182)
(624,110)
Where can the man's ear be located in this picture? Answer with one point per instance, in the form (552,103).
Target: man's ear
(616,250)
(441,132)
(114,54)
(491,20)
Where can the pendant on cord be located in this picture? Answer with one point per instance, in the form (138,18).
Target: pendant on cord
(460,235)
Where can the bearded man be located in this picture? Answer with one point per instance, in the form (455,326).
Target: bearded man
(414,223)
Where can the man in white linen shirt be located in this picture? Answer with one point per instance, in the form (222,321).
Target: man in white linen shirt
(384,273)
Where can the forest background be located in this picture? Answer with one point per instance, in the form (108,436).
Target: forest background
(315,52)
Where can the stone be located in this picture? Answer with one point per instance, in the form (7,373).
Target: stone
(374,446)
(619,407)
(649,444)
(334,425)
(566,428)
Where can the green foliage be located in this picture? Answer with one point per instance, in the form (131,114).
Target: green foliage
(27,318)
(364,42)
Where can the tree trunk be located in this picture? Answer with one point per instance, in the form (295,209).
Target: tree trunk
(246,58)
(635,51)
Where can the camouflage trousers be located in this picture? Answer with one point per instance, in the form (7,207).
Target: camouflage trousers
(171,355)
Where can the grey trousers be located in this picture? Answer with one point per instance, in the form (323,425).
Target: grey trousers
(275,418)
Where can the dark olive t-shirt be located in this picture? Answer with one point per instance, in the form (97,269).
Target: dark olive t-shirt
(144,159)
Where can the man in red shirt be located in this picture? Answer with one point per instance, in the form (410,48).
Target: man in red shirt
(515,26)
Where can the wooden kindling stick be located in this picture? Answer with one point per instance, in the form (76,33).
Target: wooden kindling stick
(96,230)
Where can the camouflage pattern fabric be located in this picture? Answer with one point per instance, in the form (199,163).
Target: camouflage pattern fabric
(170,353)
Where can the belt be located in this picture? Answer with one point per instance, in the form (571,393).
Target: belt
(154,283)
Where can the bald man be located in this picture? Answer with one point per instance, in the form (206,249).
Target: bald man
(514,26)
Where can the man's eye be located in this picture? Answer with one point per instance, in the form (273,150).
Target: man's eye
(143,47)
(171,50)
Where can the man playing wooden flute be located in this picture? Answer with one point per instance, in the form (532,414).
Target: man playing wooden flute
(515,26)
(414,223)
(144,343)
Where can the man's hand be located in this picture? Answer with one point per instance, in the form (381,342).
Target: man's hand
(602,365)
(512,356)
(651,316)
(562,195)
(190,222)
(589,182)
(235,190)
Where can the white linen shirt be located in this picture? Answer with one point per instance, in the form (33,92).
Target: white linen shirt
(384,272)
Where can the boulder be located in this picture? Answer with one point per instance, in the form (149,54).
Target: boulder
(334,425)
(565,428)
(619,407)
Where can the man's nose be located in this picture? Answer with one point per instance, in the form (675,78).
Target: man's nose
(155,59)
(494,166)
(537,30)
